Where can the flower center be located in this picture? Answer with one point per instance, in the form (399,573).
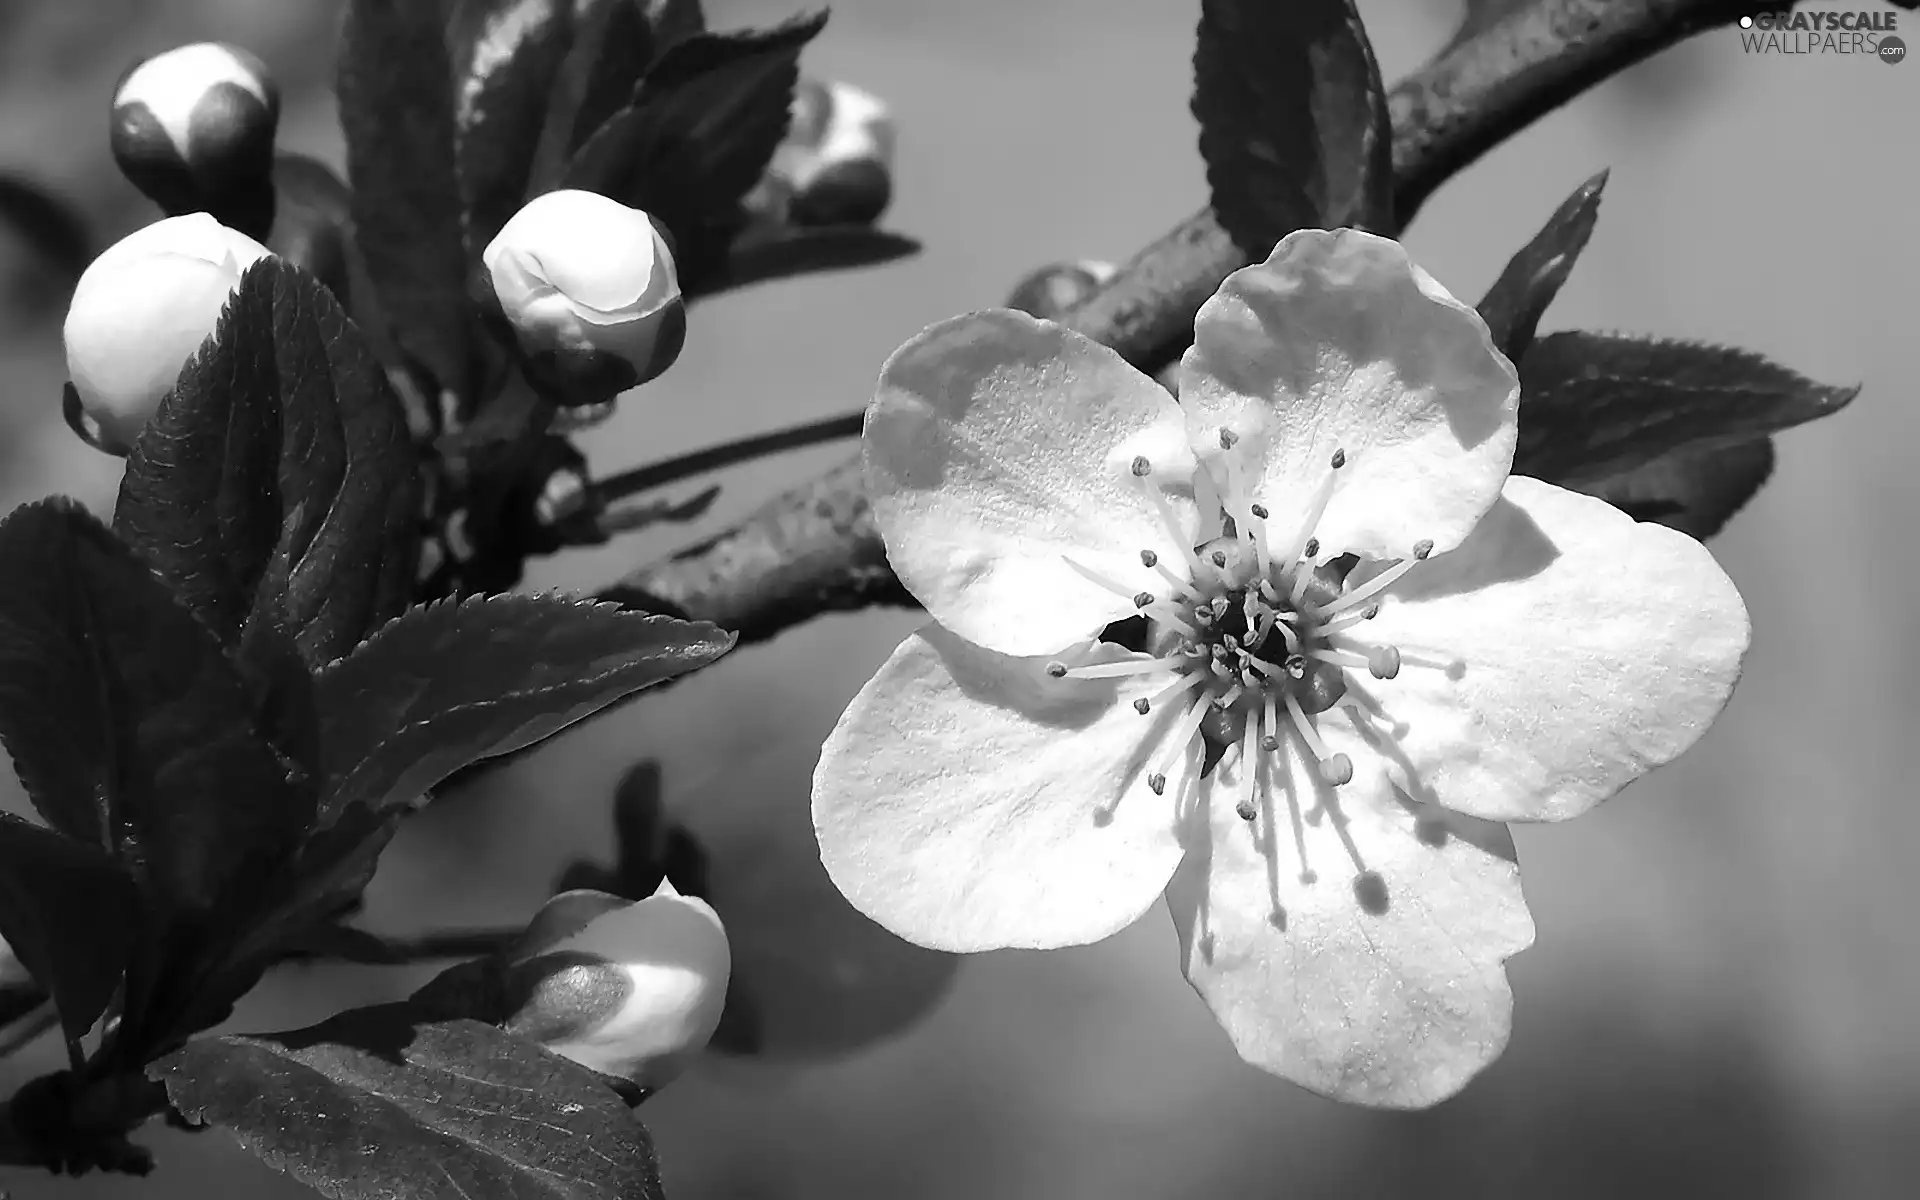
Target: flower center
(1258,636)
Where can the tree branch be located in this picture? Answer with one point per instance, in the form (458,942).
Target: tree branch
(815,549)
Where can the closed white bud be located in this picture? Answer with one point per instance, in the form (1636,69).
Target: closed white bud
(589,288)
(195,123)
(633,990)
(836,165)
(141,310)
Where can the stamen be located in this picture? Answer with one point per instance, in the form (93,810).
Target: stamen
(1183,734)
(1247,808)
(1271,740)
(1336,769)
(1234,502)
(1316,509)
(1374,586)
(1172,524)
(1167,614)
(1116,670)
(1189,679)
(1351,619)
(1225,700)
(1182,589)
(1097,579)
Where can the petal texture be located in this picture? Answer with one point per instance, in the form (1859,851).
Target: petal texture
(1349,939)
(966,801)
(997,446)
(1339,342)
(1577,650)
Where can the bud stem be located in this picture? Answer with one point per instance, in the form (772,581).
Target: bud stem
(673,470)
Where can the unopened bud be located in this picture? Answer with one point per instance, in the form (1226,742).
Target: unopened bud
(1053,289)
(141,310)
(632,990)
(589,289)
(195,124)
(836,165)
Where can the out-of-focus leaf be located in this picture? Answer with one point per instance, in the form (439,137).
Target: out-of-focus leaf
(49,225)
(126,723)
(1293,120)
(763,255)
(379,1103)
(278,477)
(451,683)
(1514,303)
(515,54)
(1694,491)
(71,913)
(1594,406)
(396,94)
(698,134)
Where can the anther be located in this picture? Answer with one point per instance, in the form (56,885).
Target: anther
(1337,770)
(1219,558)
(1422,548)
(1339,459)
(1228,438)
(1158,783)
(1141,467)
(1312,549)
(1244,809)
(1296,666)
(1142,599)
(1269,743)
(1057,670)
(1147,557)
(1384,661)
(1260,510)
(1142,707)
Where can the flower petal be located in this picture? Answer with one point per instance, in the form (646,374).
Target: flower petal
(1349,939)
(966,801)
(1579,649)
(1339,342)
(997,446)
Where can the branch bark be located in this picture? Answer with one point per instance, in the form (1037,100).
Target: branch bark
(815,549)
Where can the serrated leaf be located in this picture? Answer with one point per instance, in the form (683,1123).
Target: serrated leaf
(71,913)
(1594,405)
(1293,120)
(396,94)
(510,54)
(698,134)
(451,683)
(380,1103)
(1514,304)
(278,478)
(126,722)
(613,49)
(763,255)
(1694,491)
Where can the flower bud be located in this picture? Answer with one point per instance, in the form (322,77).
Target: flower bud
(836,165)
(141,310)
(632,990)
(1052,290)
(588,287)
(195,125)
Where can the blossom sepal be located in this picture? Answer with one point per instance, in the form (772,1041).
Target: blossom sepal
(193,127)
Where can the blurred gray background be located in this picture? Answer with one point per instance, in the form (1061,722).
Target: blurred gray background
(1725,995)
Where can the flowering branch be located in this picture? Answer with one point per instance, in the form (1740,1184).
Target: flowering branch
(815,549)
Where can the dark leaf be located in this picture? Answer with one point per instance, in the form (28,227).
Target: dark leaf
(49,225)
(514,55)
(71,913)
(128,726)
(1513,304)
(612,51)
(1595,405)
(452,683)
(1293,120)
(760,256)
(396,96)
(698,134)
(1694,491)
(278,477)
(379,1103)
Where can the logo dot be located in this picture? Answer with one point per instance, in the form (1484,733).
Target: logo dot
(1892,49)
(1746,22)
